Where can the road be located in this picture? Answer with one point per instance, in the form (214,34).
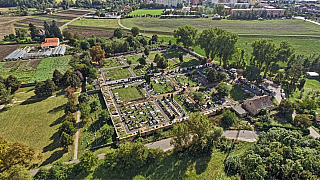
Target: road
(275,88)
(76,140)
(313,133)
(302,18)
(243,135)
(163,144)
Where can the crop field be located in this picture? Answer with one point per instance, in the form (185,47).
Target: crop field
(39,22)
(118,73)
(36,124)
(128,93)
(6,50)
(6,26)
(56,16)
(97,22)
(272,27)
(75,12)
(87,32)
(147,11)
(34,70)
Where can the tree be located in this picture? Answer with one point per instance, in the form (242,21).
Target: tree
(185,34)
(16,172)
(106,131)
(223,89)
(45,88)
(104,116)
(162,63)
(13,83)
(83,98)
(181,58)
(308,104)
(55,30)
(180,135)
(118,33)
(157,58)
(198,126)
(155,38)
(135,31)
(65,140)
(5,94)
(198,96)
(97,53)
(286,107)
(85,45)
(223,76)
(71,80)
(142,61)
(70,107)
(232,165)
(87,161)
(302,120)
(57,77)
(68,128)
(205,40)
(131,155)
(21,33)
(94,105)
(85,110)
(33,31)
(212,75)
(228,119)
(252,73)
(146,51)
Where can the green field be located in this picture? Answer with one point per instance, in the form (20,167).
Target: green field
(36,124)
(134,59)
(183,79)
(172,166)
(97,22)
(140,12)
(128,93)
(118,73)
(112,62)
(163,88)
(272,27)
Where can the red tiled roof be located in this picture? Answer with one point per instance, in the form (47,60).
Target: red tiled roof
(50,42)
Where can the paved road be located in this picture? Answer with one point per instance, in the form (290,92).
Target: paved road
(122,25)
(163,144)
(313,133)
(275,88)
(302,18)
(243,135)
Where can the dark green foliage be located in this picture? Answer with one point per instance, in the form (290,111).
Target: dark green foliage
(162,63)
(223,89)
(142,61)
(186,34)
(252,73)
(57,77)
(232,165)
(13,83)
(228,119)
(87,161)
(68,128)
(146,51)
(107,131)
(70,107)
(66,140)
(286,107)
(83,98)
(118,33)
(135,31)
(45,88)
(212,75)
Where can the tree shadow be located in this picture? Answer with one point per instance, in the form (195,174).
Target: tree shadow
(54,156)
(31,100)
(58,121)
(55,143)
(57,109)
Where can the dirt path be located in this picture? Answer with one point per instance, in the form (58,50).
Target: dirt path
(76,141)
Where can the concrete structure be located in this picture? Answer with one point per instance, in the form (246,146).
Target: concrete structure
(169,2)
(257,103)
(240,111)
(50,42)
(269,12)
(312,75)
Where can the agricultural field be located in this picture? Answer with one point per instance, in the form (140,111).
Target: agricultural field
(88,32)
(6,25)
(6,50)
(97,22)
(141,12)
(36,124)
(118,73)
(39,22)
(272,27)
(34,70)
(129,93)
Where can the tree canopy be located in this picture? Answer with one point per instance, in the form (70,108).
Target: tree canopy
(186,34)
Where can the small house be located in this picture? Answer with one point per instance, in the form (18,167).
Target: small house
(50,42)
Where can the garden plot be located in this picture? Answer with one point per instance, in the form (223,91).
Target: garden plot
(161,86)
(185,80)
(139,69)
(127,94)
(112,62)
(142,115)
(118,73)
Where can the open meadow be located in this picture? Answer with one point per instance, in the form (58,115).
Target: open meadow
(271,27)
(97,22)
(36,124)
(140,12)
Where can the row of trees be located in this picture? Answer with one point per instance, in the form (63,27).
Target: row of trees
(7,87)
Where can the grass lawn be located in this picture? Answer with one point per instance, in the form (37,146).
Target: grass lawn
(97,22)
(118,73)
(237,93)
(112,62)
(162,88)
(128,93)
(134,59)
(183,79)
(172,65)
(285,26)
(139,69)
(189,61)
(172,167)
(36,124)
(173,53)
(146,11)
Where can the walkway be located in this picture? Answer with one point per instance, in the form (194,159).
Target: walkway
(302,18)
(76,141)
(313,133)
(122,25)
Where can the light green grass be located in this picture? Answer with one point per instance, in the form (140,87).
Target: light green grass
(183,79)
(112,62)
(172,167)
(48,65)
(173,53)
(147,11)
(134,59)
(139,69)
(36,124)
(172,65)
(118,73)
(189,61)
(128,93)
(162,88)
(97,22)
(273,27)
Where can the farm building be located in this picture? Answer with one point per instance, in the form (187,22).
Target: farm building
(50,42)
(312,75)
(256,104)
(17,54)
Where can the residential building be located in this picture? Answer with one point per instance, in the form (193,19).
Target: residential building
(50,42)
(240,111)
(173,3)
(269,12)
(256,104)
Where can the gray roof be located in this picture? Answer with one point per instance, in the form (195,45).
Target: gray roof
(239,110)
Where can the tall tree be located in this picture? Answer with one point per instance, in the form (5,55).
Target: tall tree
(13,83)
(186,34)
(106,131)
(57,77)
(302,120)
(87,161)
(33,31)
(223,89)
(65,140)
(228,119)
(252,73)
(212,75)
(135,31)
(97,53)
(118,33)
